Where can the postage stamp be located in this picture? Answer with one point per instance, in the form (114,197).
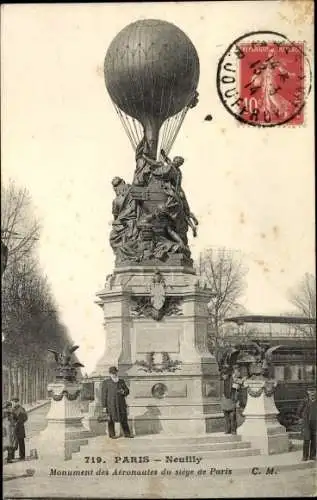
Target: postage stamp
(264,79)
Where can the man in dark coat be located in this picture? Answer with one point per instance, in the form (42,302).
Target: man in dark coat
(20,417)
(8,431)
(308,413)
(116,391)
(228,403)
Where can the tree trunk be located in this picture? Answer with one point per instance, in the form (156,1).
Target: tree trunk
(20,384)
(27,382)
(24,381)
(5,383)
(37,382)
(15,381)
(9,381)
(33,384)
(43,381)
(40,381)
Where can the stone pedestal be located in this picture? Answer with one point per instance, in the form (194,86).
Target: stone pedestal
(64,433)
(261,426)
(162,352)
(95,410)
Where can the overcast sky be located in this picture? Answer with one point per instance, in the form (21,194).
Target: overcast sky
(252,189)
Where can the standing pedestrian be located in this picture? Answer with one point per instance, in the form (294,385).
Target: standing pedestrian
(237,384)
(10,442)
(228,403)
(308,413)
(116,391)
(20,417)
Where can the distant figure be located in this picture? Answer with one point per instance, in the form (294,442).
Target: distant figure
(308,413)
(228,404)
(10,443)
(20,417)
(237,383)
(116,391)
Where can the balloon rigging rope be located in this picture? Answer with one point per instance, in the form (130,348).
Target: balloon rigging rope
(129,128)
(132,127)
(124,118)
(182,118)
(172,119)
(174,125)
(123,121)
(168,129)
(136,129)
(168,133)
(136,82)
(164,134)
(153,78)
(172,131)
(169,124)
(133,134)
(179,119)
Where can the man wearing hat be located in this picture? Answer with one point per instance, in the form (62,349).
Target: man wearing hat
(116,391)
(308,413)
(228,401)
(20,417)
(10,442)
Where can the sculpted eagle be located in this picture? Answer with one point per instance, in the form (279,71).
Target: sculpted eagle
(64,358)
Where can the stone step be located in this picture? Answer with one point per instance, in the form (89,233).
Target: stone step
(185,447)
(75,446)
(241,451)
(218,445)
(160,440)
(126,446)
(209,454)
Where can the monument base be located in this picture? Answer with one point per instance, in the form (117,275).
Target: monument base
(156,321)
(64,433)
(92,421)
(261,426)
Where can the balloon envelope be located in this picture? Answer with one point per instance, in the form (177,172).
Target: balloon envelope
(151,70)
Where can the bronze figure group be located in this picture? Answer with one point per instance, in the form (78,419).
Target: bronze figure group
(151,216)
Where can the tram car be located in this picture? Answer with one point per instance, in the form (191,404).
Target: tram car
(293,362)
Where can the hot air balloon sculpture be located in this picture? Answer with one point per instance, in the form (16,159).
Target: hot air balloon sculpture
(151,74)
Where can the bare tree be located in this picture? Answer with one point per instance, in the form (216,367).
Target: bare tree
(224,271)
(19,228)
(30,320)
(303,298)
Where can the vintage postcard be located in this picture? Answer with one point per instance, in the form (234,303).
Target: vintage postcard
(157,250)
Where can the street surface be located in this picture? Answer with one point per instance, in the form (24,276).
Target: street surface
(282,483)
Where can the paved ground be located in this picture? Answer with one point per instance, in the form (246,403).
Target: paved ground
(281,482)
(36,421)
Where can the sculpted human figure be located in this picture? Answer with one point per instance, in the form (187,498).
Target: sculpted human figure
(167,239)
(143,232)
(124,233)
(142,169)
(170,173)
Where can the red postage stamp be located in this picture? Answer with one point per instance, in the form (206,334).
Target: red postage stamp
(264,79)
(272,82)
